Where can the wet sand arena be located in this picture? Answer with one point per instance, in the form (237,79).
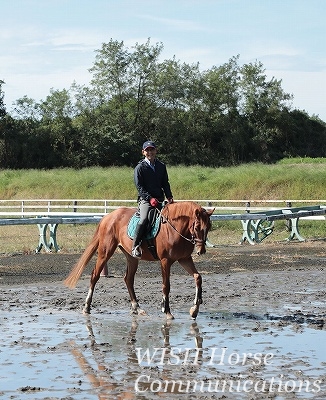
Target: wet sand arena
(260,333)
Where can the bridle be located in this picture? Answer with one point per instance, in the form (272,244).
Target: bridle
(193,240)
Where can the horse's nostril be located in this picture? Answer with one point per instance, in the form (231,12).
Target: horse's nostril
(201,251)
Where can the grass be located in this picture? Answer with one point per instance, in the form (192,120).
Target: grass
(24,238)
(290,179)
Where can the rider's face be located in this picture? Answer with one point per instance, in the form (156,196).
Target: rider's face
(150,153)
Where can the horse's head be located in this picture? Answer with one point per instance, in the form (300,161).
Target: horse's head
(195,221)
(201,226)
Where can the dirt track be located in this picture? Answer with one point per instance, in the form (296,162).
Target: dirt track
(263,277)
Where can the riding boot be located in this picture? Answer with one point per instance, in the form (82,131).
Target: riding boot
(136,250)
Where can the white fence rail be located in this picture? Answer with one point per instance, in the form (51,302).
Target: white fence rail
(45,207)
(55,207)
(257,221)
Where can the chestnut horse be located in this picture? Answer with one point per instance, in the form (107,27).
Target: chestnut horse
(184,227)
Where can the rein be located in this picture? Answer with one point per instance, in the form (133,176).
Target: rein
(193,239)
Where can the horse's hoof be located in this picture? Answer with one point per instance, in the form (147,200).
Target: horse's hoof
(169,316)
(138,311)
(86,311)
(194,311)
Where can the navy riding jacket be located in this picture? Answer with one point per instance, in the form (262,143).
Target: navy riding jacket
(152,182)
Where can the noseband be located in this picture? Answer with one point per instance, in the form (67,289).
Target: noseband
(193,240)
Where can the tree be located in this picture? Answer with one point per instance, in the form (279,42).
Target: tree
(262,104)
(124,80)
(178,118)
(2,105)
(221,102)
(26,108)
(4,124)
(57,112)
(226,115)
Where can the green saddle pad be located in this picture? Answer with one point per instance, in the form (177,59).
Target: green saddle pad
(149,235)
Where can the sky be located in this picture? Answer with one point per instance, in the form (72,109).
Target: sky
(47,44)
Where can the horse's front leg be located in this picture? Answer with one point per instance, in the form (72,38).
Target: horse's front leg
(166,268)
(129,278)
(189,266)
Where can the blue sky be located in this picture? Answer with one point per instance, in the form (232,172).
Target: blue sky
(51,43)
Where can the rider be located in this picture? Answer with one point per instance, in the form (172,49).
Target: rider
(152,183)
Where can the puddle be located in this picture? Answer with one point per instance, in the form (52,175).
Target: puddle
(114,356)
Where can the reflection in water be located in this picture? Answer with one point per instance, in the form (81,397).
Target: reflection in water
(153,360)
(121,358)
(133,371)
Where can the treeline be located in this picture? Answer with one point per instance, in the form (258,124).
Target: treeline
(226,115)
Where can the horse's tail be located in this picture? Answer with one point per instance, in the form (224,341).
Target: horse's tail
(81,264)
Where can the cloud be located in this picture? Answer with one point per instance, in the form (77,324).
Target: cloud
(82,38)
(308,89)
(37,86)
(301,63)
(182,25)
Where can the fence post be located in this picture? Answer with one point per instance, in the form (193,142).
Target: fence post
(288,222)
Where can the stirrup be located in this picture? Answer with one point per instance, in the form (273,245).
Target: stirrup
(136,252)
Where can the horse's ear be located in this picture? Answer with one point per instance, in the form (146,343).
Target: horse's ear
(210,212)
(198,211)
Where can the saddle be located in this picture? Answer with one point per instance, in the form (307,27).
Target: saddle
(152,229)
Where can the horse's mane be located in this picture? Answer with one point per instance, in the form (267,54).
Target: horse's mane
(180,209)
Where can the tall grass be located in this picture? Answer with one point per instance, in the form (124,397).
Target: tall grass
(303,160)
(289,179)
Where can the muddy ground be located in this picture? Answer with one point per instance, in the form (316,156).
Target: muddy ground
(263,277)
(281,282)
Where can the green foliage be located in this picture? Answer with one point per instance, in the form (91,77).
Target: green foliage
(2,105)
(225,116)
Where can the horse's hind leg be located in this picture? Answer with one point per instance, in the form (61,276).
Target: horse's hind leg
(102,258)
(129,278)
(189,266)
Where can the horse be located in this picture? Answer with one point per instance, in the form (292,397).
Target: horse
(184,228)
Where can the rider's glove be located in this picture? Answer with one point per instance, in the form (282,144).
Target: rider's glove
(170,200)
(153,202)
